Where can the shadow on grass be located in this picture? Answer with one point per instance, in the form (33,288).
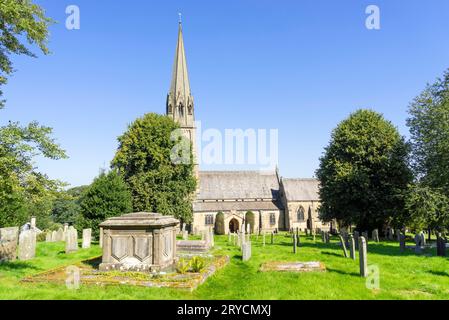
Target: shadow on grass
(343,272)
(16,265)
(439,273)
(333,254)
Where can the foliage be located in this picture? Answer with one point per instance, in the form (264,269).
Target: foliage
(66,207)
(144,159)
(426,208)
(429,128)
(197,264)
(20,20)
(108,196)
(364,172)
(24,191)
(219,223)
(250,220)
(182,266)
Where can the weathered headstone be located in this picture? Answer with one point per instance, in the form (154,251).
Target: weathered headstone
(343,246)
(441,245)
(54,236)
(8,251)
(87,238)
(423,239)
(60,235)
(356,239)
(246,251)
(9,234)
(185,235)
(352,248)
(27,245)
(375,235)
(401,242)
(71,244)
(298,239)
(48,237)
(294,243)
(418,243)
(363,257)
(33,223)
(365,235)
(65,230)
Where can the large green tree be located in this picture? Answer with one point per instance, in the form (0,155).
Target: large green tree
(364,172)
(20,20)
(429,128)
(107,196)
(66,207)
(145,158)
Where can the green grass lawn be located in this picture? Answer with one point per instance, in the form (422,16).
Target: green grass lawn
(402,275)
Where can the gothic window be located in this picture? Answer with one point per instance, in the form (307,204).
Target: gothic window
(181,110)
(300,214)
(272,219)
(190,110)
(209,219)
(170,109)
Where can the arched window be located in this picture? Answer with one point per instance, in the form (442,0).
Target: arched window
(272,219)
(300,214)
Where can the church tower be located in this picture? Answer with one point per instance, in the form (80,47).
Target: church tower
(180,104)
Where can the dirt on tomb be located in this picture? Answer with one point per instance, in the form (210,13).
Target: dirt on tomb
(169,278)
(313,266)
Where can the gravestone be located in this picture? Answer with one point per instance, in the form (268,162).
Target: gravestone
(356,239)
(418,243)
(33,223)
(298,239)
(54,236)
(441,245)
(390,234)
(48,237)
(9,234)
(328,237)
(398,235)
(323,237)
(27,245)
(294,243)
(60,235)
(363,258)
(343,245)
(365,235)
(8,251)
(272,238)
(352,248)
(65,230)
(401,242)
(246,251)
(185,235)
(87,238)
(423,239)
(71,243)
(375,235)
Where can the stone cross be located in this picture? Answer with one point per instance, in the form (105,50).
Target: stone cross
(363,257)
(87,238)
(343,245)
(71,244)
(27,245)
(352,248)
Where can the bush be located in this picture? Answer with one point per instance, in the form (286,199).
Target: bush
(197,264)
(219,224)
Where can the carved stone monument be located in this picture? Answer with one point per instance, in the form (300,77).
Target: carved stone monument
(139,242)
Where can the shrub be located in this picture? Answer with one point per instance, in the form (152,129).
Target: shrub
(197,264)
(182,266)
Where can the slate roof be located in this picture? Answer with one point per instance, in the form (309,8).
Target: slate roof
(236,205)
(301,189)
(231,185)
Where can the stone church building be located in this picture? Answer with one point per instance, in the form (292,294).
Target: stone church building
(277,203)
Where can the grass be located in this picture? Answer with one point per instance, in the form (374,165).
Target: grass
(402,275)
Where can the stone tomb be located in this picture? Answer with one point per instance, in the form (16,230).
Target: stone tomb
(139,242)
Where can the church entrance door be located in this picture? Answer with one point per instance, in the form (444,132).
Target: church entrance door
(233,226)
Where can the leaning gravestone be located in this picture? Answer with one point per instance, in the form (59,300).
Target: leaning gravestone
(87,238)
(71,244)
(352,246)
(363,257)
(246,251)
(27,245)
(343,245)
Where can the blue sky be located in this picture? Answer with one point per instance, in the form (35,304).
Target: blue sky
(297,66)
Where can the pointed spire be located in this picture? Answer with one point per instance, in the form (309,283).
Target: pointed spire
(180,85)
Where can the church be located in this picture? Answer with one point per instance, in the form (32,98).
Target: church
(276,203)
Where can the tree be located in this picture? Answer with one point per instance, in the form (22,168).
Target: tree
(24,191)
(107,196)
(219,223)
(66,207)
(20,20)
(250,220)
(364,172)
(157,183)
(429,128)
(426,209)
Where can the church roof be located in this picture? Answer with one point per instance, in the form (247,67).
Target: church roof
(236,205)
(230,185)
(301,189)
(180,85)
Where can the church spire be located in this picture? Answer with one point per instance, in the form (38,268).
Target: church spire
(180,100)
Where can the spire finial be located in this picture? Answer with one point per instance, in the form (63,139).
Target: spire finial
(180,17)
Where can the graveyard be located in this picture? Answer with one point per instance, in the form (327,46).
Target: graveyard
(403,274)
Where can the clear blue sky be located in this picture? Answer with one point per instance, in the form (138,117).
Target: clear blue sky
(299,66)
